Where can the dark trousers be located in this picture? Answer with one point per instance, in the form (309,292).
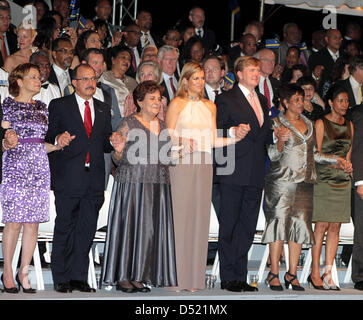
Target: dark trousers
(74,231)
(239,209)
(357,260)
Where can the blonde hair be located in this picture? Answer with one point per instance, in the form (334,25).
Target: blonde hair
(188,70)
(27,26)
(244,62)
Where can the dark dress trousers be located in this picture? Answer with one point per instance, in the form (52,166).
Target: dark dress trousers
(79,192)
(240,191)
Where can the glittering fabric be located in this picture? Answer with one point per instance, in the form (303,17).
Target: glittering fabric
(26,176)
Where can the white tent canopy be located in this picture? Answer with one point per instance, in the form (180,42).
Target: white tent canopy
(348,7)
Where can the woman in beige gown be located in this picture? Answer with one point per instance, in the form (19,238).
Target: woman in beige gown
(190,117)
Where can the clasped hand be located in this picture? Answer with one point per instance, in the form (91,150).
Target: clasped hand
(118,141)
(345,165)
(241,131)
(10,139)
(282,134)
(64,139)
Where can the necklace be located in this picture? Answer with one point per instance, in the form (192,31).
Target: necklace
(194,98)
(294,120)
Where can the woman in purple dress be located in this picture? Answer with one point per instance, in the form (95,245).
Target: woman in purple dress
(26,177)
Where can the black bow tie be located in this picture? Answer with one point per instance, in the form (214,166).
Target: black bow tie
(99,85)
(45,85)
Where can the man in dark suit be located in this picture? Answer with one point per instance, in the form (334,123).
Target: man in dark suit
(246,47)
(144,21)
(353,84)
(241,191)
(197,18)
(82,126)
(321,62)
(62,53)
(168,57)
(357,162)
(268,85)
(131,39)
(8,39)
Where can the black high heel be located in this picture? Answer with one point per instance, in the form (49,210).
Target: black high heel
(289,282)
(312,284)
(8,290)
(29,290)
(267,281)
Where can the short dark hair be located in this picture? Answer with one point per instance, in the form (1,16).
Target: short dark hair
(37,54)
(215,57)
(86,53)
(18,73)
(113,52)
(288,90)
(55,44)
(143,89)
(305,81)
(334,91)
(74,72)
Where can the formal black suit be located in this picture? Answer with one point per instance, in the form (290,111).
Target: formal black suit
(12,45)
(357,162)
(208,39)
(53,79)
(166,92)
(323,58)
(346,84)
(79,192)
(240,191)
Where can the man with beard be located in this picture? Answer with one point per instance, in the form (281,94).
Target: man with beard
(62,53)
(144,21)
(48,91)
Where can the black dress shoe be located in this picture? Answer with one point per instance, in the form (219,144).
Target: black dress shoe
(358,285)
(82,286)
(119,287)
(246,287)
(233,286)
(143,289)
(63,287)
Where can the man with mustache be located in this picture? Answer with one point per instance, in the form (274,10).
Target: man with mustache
(83,125)
(62,53)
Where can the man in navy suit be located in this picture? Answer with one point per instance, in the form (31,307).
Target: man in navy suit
(241,191)
(82,126)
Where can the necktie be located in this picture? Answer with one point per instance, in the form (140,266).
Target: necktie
(255,108)
(99,84)
(199,33)
(267,93)
(146,41)
(133,59)
(3,48)
(87,123)
(359,95)
(216,92)
(172,86)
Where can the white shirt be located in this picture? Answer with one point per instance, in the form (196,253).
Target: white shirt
(246,93)
(335,56)
(63,77)
(355,87)
(46,95)
(4,78)
(210,92)
(199,32)
(82,107)
(99,95)
(261,87)
(168,87)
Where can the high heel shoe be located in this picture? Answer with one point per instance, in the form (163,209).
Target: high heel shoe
(289,282)
(268,281)
(312,284)
(143,289)
(8,290)
(326,284)
(25,290)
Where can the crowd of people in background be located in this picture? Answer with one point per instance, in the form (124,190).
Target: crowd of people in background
(292,113)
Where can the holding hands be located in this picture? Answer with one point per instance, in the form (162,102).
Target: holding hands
(64,139)
(10,139)
(345,165)
(241,131)
(118,142)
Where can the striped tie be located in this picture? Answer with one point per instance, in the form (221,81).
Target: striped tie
(146,41)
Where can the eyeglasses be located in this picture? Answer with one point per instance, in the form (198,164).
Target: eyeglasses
(87,79)
(32,78)
(64,51)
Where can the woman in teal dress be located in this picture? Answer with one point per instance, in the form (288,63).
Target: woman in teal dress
(332,193)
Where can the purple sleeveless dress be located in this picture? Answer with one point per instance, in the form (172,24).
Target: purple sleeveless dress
(26,176)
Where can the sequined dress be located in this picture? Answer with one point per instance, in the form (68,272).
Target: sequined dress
(26,176)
